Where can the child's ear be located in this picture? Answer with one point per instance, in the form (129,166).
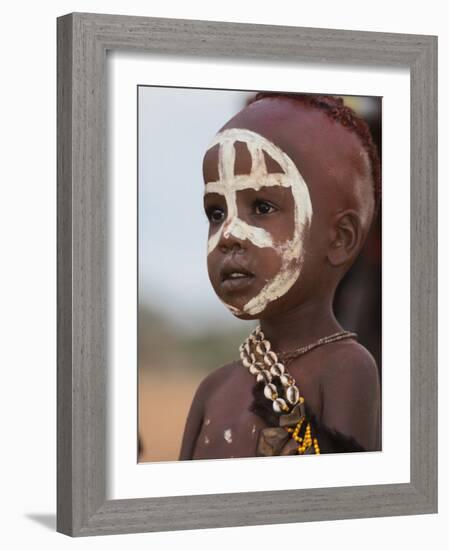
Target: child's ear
(345,238)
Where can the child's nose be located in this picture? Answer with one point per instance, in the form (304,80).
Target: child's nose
(228,226)
(231,236)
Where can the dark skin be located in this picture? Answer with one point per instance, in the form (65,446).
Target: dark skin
(339,381)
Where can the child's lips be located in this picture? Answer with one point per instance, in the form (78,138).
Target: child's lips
(234,276)
(237,283)
(230,281)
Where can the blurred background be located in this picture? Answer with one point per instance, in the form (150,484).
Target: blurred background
(184,331)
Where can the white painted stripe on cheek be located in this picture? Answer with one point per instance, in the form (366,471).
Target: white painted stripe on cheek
(243,231)
(292,250)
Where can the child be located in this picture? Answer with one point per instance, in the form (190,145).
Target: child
(291,189)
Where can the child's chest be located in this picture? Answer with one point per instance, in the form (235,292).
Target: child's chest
(229,428)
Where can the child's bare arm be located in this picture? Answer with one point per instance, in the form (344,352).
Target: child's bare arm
(193,423)
(196,413)
(351,397)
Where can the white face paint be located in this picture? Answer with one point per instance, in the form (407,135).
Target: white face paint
(291,251)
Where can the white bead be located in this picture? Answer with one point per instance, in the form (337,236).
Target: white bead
(264,376)
(277,369)
(287,380)
(256,368)
(270,391)
(270,358)
(259,349)
(279,405)
(292,394)
(246,362)
(263,347)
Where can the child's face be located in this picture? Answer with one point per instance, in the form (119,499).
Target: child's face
(263,172)
(259,209)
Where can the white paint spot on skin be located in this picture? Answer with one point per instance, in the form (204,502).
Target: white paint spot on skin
(227,434)
(253,431)
(206,440)
(291,251)
(207,422)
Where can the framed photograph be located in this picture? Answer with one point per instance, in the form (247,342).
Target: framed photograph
(247,282)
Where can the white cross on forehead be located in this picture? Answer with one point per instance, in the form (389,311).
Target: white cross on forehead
(229,183)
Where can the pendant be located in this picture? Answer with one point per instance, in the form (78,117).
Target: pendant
(277,441)
(291,419)
(271,441)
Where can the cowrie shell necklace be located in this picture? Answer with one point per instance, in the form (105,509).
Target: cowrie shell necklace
(261,361)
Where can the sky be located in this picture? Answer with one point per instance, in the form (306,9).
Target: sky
(175,127)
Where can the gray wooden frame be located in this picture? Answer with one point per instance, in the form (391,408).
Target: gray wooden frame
(83,40)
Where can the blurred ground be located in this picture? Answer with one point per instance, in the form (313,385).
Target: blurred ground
(172,363)
(163,407)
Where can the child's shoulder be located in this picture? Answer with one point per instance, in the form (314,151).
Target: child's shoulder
(350,390)
(220,375)
(348,362)
(219,382)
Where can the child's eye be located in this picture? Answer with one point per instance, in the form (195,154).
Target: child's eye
(263,207)
(215,214)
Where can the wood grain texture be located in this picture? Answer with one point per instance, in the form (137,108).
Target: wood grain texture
(64,278)
(83,40)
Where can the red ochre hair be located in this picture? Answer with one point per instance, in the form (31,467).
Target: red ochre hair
(334,107)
